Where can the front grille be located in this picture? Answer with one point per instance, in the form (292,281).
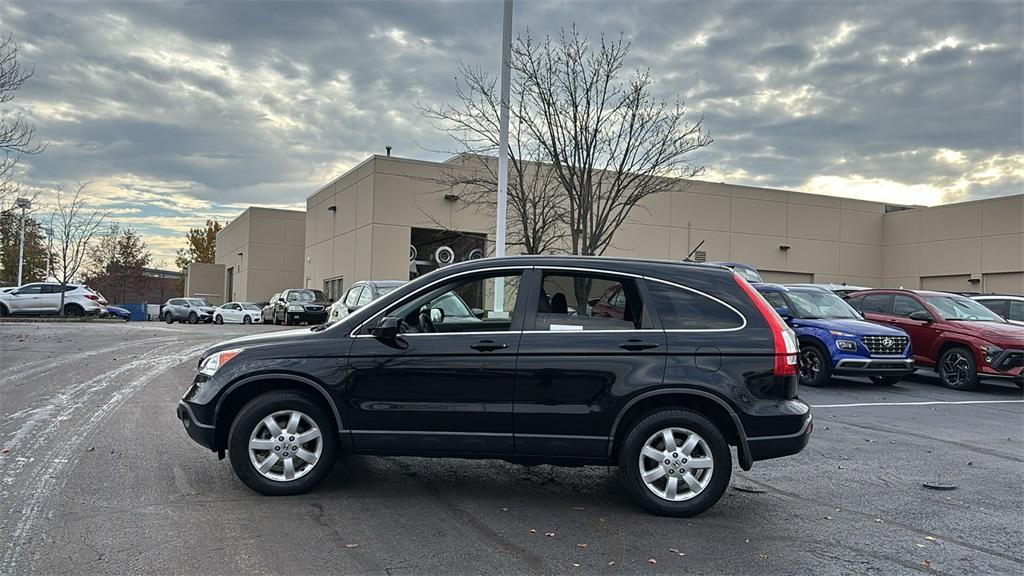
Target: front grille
(885,345)
(314,308)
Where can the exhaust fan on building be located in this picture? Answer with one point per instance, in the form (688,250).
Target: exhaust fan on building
(414,264)
(475,254)
(444,256)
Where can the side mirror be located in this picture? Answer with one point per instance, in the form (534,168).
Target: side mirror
(784,312)
(921,316)
(387,328)
(479,313)
(436,315)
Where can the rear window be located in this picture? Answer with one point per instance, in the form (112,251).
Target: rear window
(681,309)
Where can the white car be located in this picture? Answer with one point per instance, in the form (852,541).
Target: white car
(44,298)
(238,313)
(1011,308)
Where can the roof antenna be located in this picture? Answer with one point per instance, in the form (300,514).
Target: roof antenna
(692,252)
(388,148)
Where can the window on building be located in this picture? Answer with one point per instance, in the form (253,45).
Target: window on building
(334,287)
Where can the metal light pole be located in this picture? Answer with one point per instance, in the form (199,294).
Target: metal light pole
(24,204)
(506,77)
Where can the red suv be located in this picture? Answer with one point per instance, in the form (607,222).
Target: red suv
(958,337)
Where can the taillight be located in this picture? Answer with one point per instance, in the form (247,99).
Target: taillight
(786,347)
(93,297)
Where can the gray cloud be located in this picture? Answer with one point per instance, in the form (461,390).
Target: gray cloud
(234,103)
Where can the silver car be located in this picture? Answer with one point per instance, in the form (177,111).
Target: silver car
(44,298)
(1011,308)
(359,295)
(191,310)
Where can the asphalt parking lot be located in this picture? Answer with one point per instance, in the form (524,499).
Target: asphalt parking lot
(97,476)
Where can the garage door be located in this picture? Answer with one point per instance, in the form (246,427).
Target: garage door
(956,283)
(1005,283)
(779,277)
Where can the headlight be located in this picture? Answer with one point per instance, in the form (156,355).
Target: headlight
(838,333)
(847,345)
(213,362)
(990,352)
(295,308)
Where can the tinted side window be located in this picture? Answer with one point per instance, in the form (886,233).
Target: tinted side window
(905,306)
(856,302)
(1000,307)
(681,309)
(353,296)
(1016,311)
(878,303)
(588,302)
(775,299)
(31,289)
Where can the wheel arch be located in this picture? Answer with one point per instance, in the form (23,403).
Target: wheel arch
(241,392)
(950,344)
(704,403)
(4,310)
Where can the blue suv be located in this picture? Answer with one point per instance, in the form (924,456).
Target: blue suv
(835,339)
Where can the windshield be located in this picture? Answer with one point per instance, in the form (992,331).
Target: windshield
(197,302)
(952,307)
(809,304)
(306,296)
(250,307)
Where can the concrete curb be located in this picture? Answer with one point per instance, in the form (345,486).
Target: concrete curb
(56,320)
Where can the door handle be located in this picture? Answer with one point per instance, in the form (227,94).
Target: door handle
(488,346)
(635,344)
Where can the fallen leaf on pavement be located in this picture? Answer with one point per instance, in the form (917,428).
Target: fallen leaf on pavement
(652,561)
(575,564)
(351,545)
(876,520)
(934,486)
(532,531)
(927,563)
(5,451)
(549,534)
(612,563)
(581,546)
(932,538)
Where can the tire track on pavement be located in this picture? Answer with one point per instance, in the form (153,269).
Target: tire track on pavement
(49,477)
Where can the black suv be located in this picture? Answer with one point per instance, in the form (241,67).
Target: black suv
(298,306)
(507,358)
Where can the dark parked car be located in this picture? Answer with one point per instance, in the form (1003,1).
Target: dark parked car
(698,361)
(957,336)
(298,306)
(191,310)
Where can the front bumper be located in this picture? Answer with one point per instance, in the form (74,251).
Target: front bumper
(874,366)
(202,433)
(1007,364)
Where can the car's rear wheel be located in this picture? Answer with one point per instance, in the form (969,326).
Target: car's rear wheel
(675,463)
(886,380)
(168,318)
(282,443)
(815,369)
(73,310)
(218,319)
(957,369)
(193,318)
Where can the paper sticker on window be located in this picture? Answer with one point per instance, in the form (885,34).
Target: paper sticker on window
(564,328)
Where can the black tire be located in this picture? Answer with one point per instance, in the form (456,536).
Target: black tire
(257,410)
(218,319)
(74,310)
(886,380)
(246,320)
(815,366)
(193,318)
(957,369)
(630,467)
(168,318)
(4,312)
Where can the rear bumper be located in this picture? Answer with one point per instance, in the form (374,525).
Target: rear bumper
(874,367)
(796,423)
(202,433)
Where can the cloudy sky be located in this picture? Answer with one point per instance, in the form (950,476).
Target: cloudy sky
(181,111)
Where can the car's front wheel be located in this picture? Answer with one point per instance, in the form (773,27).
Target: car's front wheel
(168,318)
(193,318)
(815,369)
(675,463)
(246,320)
(957,369)
(218,319)
(282,443)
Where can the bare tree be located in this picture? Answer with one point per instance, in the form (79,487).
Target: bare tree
(534,194)
(17,136)
(74,229)
(611,143)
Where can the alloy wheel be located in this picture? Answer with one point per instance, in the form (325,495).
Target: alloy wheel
(956,369)
(676,464)
(810,365)
(285,446)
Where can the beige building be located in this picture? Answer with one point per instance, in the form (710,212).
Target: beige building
(262,253)
(204,280)
(363,224)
